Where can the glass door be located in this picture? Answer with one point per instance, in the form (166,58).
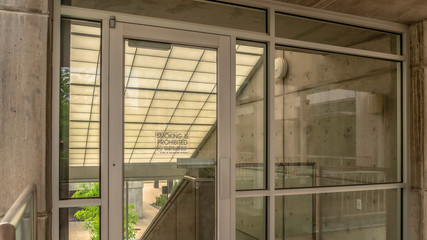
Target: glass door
(169,134)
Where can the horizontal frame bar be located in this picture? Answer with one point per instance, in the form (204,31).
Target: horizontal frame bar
(338,49)
(82,202)
(319,190)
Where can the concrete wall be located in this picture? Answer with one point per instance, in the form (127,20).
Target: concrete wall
(418,121)
(23,94)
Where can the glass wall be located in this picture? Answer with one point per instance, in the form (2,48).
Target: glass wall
(79,118)
(251,218)
(251,78)
(346,215)
(336,120)
(343,35)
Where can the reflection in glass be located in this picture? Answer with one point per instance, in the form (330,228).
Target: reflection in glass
(320,31)
(79,223)
(348,215)
(250,116)
(336,120)
(251,218)
(79,105)
(169,140)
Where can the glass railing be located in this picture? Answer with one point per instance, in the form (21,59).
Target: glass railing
(20,221)
(189,213)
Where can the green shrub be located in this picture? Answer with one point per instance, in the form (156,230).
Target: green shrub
(90,214)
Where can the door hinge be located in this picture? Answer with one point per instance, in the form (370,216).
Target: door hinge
(113,22)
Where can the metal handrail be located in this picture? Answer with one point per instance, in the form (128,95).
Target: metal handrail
(14,215)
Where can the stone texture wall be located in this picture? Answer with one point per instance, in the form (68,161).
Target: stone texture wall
(418,66)
(24,37)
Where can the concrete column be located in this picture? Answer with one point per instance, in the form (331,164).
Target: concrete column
(23,102)
(418,67)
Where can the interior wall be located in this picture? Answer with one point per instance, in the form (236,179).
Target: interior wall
(23,94)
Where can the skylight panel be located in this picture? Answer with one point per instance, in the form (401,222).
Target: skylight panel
(83,55)
(84,67)
(154,127)
(141,72)
(79,99)
(181,65)
(139,93)
(87,79)
(243,70)
(145,145)
(136,110)
(132,133)
(196,128)
(158,119)
(164,103)
(172,127)
(161,111)
(84,90)
(134,118)
(82,29)
(204,77)
(186,53)
(79,125)
(246,59)
(186,112)
(249,49)
(209,56)
(200,87)
(177,75)
(190,105)
(173,85)
(198,134)
(147,61)
(141,83)
(199,97)
(203,120)
(207,113)
(211,106)
(168,95)
(185,120)
(207,67)
(85,42)
(137,102)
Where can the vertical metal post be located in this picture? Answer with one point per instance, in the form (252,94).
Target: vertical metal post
(127,210)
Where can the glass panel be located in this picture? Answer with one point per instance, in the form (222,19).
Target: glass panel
(319,31)
(251,218)
(170,144)
(24,229)
(232,16)
(79,106)
(336,119)
(79,223)
(250,115)
(337,216)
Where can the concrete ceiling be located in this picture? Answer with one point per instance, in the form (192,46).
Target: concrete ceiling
(400,11)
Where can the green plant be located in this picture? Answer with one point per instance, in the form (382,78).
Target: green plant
(90,214)
(163,198)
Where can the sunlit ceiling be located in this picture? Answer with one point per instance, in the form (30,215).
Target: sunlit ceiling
(168,88)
